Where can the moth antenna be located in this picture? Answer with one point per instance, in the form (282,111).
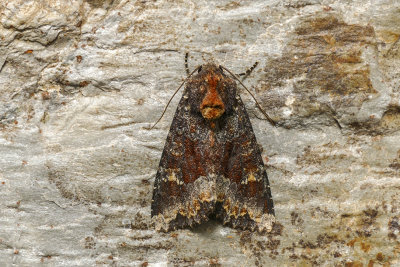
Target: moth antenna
(248,72)
(165,109)
(186,63)
(258,105)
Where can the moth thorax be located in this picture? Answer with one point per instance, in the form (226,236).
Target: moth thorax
(212,107)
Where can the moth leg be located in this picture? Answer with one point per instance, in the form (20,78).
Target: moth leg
(248,71)
(186,63)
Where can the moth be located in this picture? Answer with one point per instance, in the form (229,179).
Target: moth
(211,165)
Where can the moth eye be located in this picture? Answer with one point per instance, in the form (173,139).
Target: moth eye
(198,71)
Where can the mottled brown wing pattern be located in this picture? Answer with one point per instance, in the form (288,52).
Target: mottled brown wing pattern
(184,195)
(211,165)
(245,197)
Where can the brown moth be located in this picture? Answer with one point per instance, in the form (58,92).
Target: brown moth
(211,165)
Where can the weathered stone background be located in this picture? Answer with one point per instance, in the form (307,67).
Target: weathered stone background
(81,81)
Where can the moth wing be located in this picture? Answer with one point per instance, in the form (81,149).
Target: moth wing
(183,195)
(186,193)
(245,199)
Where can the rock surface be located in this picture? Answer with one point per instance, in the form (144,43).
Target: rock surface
(81,82)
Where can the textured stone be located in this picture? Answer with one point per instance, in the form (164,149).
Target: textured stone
(81,82)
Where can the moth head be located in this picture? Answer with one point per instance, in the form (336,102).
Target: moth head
(211,92)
